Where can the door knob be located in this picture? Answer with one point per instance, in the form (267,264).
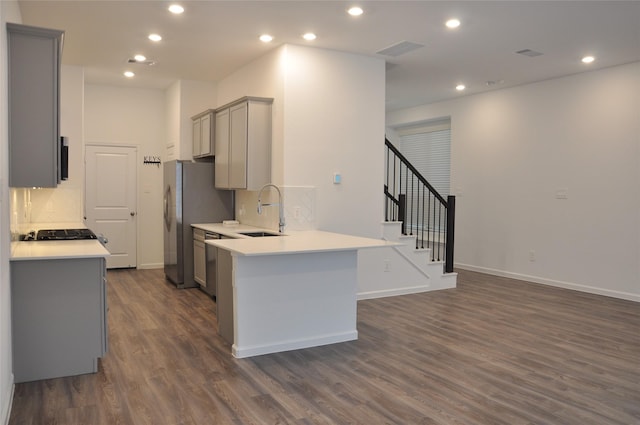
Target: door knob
(132,213)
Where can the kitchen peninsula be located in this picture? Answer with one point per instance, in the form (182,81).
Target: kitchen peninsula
(293,291)
(59,308)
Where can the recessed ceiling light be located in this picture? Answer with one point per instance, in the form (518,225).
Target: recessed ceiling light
(265,38)
(355,11)
(460,87)
(155,37)
(309,36)
(453,23)
(176,9)
(129,74)
(588,59)
(140,58)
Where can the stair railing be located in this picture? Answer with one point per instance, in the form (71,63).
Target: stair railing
(412,200)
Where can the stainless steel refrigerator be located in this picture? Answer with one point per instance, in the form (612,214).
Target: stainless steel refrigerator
(189,197)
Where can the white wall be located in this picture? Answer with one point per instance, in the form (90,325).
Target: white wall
(334,123)
(172,122)
(328,116)
(134,117)
(184,99)
(515,149)
(195,97)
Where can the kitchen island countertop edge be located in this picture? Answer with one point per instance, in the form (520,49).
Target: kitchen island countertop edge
(298,242)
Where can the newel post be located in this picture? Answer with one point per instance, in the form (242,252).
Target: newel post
(402,212)
(451,224)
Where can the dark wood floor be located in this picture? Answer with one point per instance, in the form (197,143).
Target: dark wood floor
(492,351)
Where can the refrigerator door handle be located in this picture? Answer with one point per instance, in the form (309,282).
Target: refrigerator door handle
(167,207)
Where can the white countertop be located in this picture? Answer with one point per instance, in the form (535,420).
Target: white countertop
(296,243)
(57,250)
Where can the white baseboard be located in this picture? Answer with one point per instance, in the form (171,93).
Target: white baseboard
(150,266)
(551,282)
(383,293)
(257,350)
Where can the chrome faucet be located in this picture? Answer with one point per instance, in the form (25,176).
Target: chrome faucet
(280,205)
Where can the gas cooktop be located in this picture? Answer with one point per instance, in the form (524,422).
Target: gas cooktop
(65,234)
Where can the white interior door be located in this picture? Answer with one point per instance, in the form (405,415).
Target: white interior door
(110,200)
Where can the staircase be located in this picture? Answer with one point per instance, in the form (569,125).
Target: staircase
(425,215)
(421,223)
(420,219)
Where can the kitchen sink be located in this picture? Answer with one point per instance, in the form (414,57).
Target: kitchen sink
(259,234)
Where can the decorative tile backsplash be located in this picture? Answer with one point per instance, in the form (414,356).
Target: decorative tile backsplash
(299,208)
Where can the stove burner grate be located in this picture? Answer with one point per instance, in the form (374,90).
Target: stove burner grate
(64,234)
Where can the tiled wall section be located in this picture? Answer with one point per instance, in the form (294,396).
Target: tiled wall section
(40,206)
(299,208)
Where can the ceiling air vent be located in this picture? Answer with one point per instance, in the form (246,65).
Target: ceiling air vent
(144,62)
(529,52)
(400,48)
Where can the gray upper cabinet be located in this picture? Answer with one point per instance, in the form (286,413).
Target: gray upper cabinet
(34,56)
(203,134)
(243,144)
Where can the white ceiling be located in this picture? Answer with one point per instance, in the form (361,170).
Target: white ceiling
(214,38)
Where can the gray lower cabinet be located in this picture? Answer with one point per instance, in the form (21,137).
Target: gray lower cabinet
(224,299)
(34,56)
(59,317)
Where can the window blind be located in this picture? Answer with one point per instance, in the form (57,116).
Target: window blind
(428,148)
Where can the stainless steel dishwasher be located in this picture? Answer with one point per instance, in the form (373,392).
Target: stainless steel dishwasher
(219,269)
(211,266)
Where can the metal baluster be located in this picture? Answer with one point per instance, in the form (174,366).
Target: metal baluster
(433,239)
(412,201)
(400,177)
(422,215)
(427,212)
(439,227)
(395,184)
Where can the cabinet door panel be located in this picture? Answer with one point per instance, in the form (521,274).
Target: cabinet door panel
(199,263)
(238,137)
(205,136)
(222,149)
(33,77)
(197,130)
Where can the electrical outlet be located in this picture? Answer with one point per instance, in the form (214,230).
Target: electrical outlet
(532,255)
(387,265)
(562,193)
(296,212)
